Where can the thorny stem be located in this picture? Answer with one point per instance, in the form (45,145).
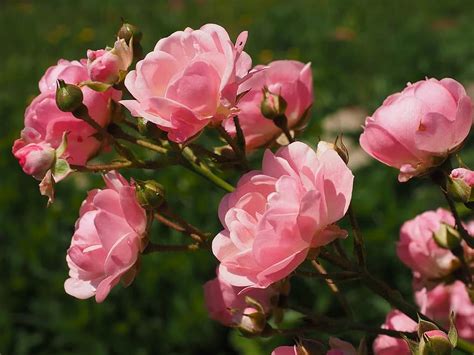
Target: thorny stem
(239,153)
(335,325)
(181,226)
(121,165)
(359,247)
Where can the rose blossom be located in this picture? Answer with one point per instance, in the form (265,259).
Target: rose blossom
(290,79)
(46,124)
(387,345)
(416,129)
(226,303)
(190,79)
(106,244)
(418,249)
(35,158)
(107,65)
(276,215)
(439,302)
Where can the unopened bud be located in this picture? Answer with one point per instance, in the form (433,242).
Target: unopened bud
(68,97)
(447,237)
(150,194)
(253,322)
(272,105)
(127,31)
(435,342)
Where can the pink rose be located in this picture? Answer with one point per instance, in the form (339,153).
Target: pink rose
(290,79)
(226,303)
(190,79)
(108,65)
(387,345)
(276,215)
(340,347)
(35,158)
(416,129)
(439,302)
(285,350)
(419,251)
(45,123)
(106,244)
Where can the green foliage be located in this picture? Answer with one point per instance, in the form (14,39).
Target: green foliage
(361,51)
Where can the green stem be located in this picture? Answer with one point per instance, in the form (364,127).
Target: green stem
(465,346)
(201,169)
(459,226)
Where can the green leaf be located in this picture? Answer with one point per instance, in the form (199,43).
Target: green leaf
(63,146)
(96,85)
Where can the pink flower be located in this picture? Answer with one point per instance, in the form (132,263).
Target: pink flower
(276,215)
(387,345)
(106,244)
(108,65)
(285,350)
(340,347)
(463,174)
(46,124)
(35,158)
(290,79)
(418,250)
(416,129)
(190,79)
(439,302)
(226,303)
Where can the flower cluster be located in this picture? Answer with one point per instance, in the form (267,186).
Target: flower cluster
(282,215)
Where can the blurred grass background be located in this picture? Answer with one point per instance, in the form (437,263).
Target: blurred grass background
(361,51)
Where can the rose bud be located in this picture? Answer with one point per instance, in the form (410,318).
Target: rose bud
(460,185)
(68,97)
(109,65)
(416,130)
(435,342)
(238,307)
(35,158)
(150,194)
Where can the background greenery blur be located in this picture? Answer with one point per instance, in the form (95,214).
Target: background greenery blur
(360,50)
